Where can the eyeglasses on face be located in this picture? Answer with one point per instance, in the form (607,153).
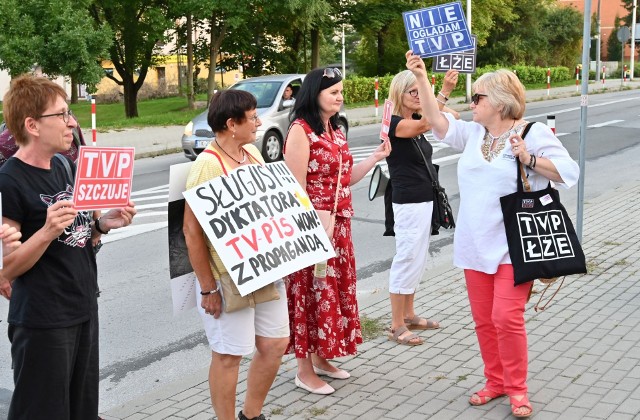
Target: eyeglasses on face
(253,118)
(66,116)
(475,98)
(413,93)
(330,73)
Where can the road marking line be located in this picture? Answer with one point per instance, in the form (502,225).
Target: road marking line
(562,111)
(605,123)
(154,197)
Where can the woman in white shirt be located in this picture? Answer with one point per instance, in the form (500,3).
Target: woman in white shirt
(486,171)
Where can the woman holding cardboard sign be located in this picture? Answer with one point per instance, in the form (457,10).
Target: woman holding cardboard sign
(412,199)
(233,331)
(486,171)
(324,320)
(51,279)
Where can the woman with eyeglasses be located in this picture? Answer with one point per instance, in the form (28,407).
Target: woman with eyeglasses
(412,201)
(486,172)
(51,279)
(262,330)
(324,321)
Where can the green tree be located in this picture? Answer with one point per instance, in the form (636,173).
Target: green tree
(628,20)
(540,33)
(614,47)
(138,28)
(56,35)
(380,23)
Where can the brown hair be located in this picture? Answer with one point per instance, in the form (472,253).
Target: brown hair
(231,103)
(28,96)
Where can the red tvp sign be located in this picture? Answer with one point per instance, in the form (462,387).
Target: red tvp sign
(103,177)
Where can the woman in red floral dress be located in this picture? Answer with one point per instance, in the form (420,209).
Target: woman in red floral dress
(324,323)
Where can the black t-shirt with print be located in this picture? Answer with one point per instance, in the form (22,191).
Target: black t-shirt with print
(410,180)
(60,290)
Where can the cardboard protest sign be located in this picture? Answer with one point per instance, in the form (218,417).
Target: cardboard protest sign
(103,177)
(183,279)
(464,62)
(437,30)
(261,223)
(386,120)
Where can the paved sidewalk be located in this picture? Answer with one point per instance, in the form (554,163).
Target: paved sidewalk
(584,358)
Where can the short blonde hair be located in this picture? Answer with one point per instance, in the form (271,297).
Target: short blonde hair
(28,96)
(505,92)
(399,85)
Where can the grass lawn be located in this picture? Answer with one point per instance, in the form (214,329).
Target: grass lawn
(158,112)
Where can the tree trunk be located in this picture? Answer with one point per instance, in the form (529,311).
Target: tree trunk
(191,98)
(74,90)
(130,97)
(315,48)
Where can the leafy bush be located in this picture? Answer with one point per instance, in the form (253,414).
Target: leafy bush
(361,89)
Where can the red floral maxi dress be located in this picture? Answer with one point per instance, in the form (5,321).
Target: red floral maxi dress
(326,322)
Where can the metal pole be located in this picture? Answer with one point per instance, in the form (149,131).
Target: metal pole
(584,102)
(468,84)
(633,37)
(598,42)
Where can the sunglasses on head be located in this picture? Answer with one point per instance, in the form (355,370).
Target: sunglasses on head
(330,73)
(475,98)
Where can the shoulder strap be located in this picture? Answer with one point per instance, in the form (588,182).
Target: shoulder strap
(430,168)
(335,202)
(67,166)
(212,152)
(522,175)
(255,159)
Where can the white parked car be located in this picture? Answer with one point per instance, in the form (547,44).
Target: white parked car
(274,113)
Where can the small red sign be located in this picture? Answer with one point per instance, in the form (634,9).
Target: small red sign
(103,177)
(386,120)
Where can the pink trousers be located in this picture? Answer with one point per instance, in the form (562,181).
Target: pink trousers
(498,312)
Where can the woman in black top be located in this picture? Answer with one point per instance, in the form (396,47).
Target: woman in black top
(412,199)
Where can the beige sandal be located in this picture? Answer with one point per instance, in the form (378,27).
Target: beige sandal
(414,324)
(407,341)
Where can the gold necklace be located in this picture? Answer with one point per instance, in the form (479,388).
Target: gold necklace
(488,140)
(239,162)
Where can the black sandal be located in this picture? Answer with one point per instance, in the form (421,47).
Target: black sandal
(241,416)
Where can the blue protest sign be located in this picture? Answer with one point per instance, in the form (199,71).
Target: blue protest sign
(437,30)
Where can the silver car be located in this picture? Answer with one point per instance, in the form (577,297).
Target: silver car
(272,110)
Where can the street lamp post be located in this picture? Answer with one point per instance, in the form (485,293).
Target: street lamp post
(468,85)
(598,42)
(633,37)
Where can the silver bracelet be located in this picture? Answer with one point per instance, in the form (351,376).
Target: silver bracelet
(443,95)
(441,102)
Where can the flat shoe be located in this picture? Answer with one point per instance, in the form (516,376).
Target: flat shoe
(518,404)
(339,374)
(484,396)
(325,389)
(414,324)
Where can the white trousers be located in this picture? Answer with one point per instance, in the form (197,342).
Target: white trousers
(413,231)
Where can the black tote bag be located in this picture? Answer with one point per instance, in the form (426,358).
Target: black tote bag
(541,238)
